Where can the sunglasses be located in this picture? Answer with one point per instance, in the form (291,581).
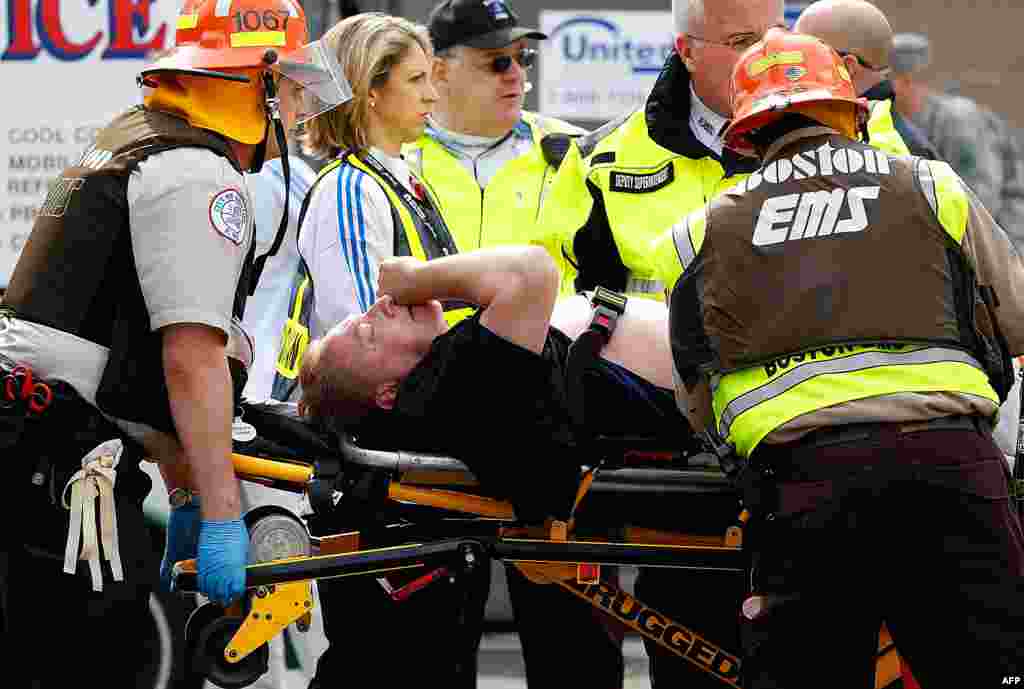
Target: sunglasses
(525,57)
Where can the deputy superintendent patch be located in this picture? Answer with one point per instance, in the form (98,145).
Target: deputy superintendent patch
(635,183)
(229,215)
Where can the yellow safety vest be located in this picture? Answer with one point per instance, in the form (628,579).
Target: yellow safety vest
(882,131)
(507,210)
(645,188)
(750,403)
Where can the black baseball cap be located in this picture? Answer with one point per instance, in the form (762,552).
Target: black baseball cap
(483,24)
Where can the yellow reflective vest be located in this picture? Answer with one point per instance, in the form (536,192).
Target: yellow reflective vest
(507,210)
(751,402)
(882,132)
(644,188)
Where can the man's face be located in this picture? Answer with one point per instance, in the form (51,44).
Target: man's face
(488,103)
(713,46)
(385,343)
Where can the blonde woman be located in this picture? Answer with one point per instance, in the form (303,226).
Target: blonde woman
(366,205)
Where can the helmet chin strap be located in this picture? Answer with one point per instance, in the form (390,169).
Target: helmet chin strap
(273,104)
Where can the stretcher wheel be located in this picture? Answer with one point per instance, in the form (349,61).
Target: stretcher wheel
(203,616)
(275,534)
(207,634)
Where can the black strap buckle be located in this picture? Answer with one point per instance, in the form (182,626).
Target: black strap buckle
(608,306)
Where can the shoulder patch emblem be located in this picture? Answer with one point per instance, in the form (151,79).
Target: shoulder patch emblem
(229,214)
(634,183)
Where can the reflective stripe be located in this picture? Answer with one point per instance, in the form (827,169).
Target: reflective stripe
(644,286)
(951,199)
(697,223)
(688,246)
(684,245)
(664,258)
(255,39)
(847,364)
(222,8)
(689,237)
(924,176)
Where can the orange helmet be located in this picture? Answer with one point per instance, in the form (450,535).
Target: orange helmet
(215,35)
(791,73)
(234,41)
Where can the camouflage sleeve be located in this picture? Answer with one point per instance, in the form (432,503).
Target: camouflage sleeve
(1010,214)
(971,146)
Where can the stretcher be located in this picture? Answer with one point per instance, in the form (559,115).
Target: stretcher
(447,524)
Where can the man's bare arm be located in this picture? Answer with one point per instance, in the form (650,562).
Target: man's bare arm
(199,388)
(516,286)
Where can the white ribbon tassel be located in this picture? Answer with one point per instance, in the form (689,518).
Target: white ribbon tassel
(95,480)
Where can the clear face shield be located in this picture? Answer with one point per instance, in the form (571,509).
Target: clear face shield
(320,81)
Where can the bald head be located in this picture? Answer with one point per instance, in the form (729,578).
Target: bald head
(850,26)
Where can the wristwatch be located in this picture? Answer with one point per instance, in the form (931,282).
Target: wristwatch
(179,497)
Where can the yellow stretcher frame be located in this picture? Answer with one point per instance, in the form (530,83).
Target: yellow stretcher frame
(273,607)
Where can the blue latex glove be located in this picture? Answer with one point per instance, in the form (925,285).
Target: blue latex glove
(223,554)
(182,539)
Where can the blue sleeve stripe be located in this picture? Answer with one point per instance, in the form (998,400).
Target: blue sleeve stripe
(344,223)
(357,236)
(362,243)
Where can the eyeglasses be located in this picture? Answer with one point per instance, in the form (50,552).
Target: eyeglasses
(864,63)
(525,57)
(737,43)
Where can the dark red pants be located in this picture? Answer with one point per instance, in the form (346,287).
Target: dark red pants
(913,529)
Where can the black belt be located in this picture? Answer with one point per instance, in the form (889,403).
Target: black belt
(838,435)
(791,483)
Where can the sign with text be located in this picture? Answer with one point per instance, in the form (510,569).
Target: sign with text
(68,67)
(597,65)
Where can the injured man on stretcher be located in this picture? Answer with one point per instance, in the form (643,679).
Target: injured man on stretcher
(494,389)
